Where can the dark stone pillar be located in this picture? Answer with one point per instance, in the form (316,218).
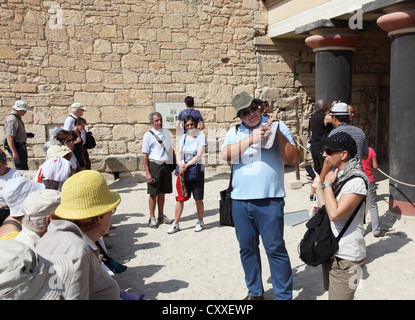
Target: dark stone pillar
(400,25)
(334,64)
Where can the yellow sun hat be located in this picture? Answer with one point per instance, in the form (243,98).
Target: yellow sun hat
(86,195)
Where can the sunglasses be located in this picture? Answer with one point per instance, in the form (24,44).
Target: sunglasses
(190,124)
(249,111)
(329,151)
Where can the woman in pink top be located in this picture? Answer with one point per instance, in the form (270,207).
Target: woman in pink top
(368,164)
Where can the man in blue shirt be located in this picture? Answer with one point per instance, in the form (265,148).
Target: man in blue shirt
(258,196)
(189,111)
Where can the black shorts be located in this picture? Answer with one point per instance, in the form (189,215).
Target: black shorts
(162,174)
(197,188)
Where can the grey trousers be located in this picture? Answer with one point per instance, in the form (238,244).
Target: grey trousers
(373,208)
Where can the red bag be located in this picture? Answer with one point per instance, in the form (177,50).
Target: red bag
(182,195)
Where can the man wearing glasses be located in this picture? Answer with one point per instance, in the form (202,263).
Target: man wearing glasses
(258,195)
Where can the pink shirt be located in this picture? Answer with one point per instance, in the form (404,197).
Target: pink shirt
(367,165)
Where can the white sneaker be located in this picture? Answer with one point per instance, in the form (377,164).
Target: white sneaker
(174,227)
(199,226)
(152,223)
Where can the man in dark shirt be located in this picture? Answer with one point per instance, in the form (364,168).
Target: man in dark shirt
(320,125)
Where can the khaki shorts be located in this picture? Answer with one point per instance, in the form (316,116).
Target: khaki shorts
(162,174)
(341,277)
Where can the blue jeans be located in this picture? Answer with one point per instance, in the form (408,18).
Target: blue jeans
(263,217)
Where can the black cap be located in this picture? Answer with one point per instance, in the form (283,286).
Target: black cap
(341,141)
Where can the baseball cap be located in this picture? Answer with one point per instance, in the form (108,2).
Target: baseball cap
(339,109)
(41,203)
(77,106)
(25,275)
(21,105)
(341,141)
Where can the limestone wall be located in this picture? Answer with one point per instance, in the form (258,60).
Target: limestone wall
(118,57)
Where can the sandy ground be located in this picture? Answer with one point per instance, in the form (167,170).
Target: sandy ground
(206,265)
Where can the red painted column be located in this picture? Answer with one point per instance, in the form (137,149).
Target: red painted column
(399,22)
(334,49)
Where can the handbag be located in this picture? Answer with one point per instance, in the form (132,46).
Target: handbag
(319,243)
(90,142)
(171,164)
(225,205)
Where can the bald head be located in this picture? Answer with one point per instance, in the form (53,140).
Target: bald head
(320,105)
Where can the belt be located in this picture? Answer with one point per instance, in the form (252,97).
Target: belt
(159,162)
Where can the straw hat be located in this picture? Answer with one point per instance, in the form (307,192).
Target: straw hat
(57,151)
(86,195)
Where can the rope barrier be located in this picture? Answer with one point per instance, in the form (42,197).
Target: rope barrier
(406,184)
(400,182)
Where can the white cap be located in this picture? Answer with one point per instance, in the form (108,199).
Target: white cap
(41,203)
(21,105)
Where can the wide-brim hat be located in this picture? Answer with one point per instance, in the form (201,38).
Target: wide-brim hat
(25,275)
(86,195)
(341,141)
(339,109)
(21,105)
(16,190)
(241,101)
(57,151)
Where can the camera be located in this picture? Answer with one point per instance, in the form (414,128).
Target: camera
(282,108)
(30,135)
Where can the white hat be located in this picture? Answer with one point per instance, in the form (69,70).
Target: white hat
(25,275)
(41,203)
(21,105)
(339,109)
(57,151)
(77,106)
(15,192)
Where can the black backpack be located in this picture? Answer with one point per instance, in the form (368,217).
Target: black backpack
(319,243)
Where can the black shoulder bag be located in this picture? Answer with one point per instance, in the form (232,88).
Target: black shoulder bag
(225,205)
(319,243)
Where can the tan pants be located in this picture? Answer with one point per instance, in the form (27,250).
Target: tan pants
(341,277)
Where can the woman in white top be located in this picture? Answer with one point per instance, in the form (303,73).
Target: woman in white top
(6,174)
(341,274)
(189,154)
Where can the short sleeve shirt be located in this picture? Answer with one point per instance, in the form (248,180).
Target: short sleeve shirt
(154,149)
(190,112)
(352,245)
(14,127)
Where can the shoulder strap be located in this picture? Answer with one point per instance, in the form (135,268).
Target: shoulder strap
(18,118)
(158,140)
(354,212)
(72,117)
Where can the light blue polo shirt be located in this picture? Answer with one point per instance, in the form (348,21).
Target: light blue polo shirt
(259,172)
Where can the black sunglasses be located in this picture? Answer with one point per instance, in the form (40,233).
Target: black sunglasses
(329,151)
(249,111)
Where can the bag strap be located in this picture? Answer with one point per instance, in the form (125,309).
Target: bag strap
(158,140)
(354,212)
(350,220)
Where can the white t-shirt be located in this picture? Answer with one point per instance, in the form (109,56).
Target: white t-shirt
(9,175)
(352,245)
(154,149)
(57,168)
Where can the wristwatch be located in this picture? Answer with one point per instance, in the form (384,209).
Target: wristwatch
(326,185)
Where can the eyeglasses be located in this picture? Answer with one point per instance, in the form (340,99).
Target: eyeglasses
(68,141)
(190,124)
(329,151)
(246,113)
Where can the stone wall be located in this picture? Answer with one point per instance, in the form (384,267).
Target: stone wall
(118,57)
